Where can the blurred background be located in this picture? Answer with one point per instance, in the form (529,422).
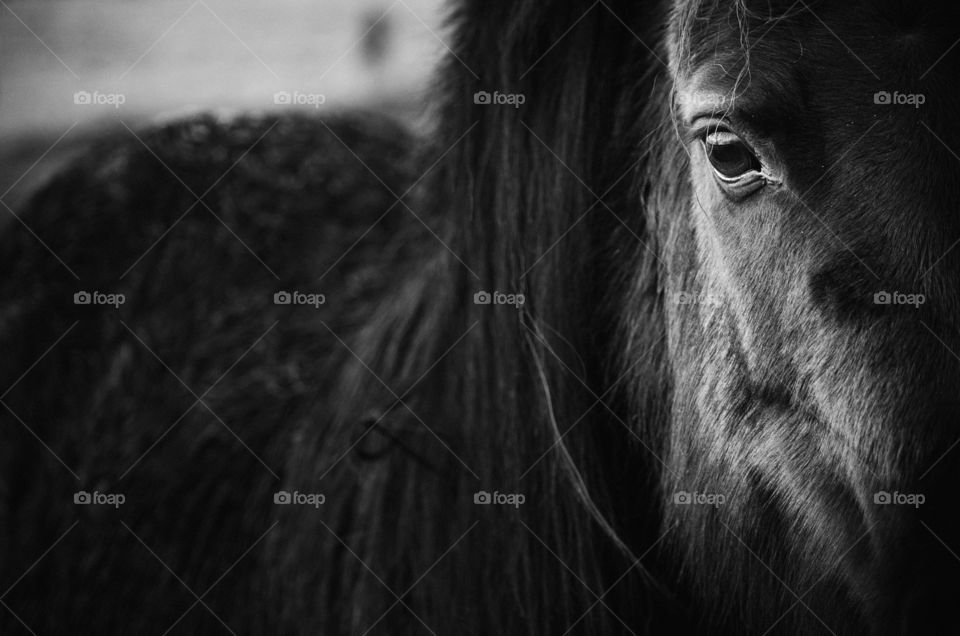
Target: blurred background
(70,69)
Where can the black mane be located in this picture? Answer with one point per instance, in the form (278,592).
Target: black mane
(514,202)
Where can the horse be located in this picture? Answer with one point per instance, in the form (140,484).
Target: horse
(653,332)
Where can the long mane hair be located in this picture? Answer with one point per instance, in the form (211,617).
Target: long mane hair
(562,399)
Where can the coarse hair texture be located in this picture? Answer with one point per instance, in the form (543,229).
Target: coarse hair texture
(545,201)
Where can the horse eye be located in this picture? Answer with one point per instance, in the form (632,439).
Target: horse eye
(729,156)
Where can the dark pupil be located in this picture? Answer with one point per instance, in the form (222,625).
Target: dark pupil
(731,160)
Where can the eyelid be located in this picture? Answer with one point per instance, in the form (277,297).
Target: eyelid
(702,126)
(705,126)
(747,178)
(723,138)
(718,127)
(742,178)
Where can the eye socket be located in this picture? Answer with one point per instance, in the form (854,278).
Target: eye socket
(731,158)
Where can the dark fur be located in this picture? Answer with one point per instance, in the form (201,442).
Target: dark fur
(399,398)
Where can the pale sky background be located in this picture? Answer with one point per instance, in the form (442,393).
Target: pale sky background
(167,57)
